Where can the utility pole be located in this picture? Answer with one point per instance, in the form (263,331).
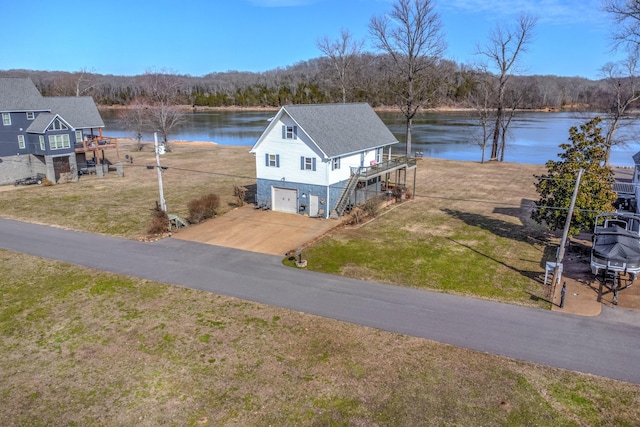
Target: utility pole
(565,232)
(163,203)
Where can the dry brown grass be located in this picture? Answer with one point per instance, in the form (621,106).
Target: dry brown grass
(82,347)
(121,206)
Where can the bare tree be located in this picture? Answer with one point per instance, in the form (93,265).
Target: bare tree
(76,84)
(162,89)
(342,53)
(411,34)
(480,99)
(622,79)
(136,118)
(502,51)
(626,17)
(166,117)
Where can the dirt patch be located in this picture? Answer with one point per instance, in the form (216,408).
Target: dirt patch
(255,230)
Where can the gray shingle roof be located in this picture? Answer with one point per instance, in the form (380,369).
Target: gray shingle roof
(80,112)
(19,94)
(339,129)
(41,123)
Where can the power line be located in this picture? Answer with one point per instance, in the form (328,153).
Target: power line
(486,201)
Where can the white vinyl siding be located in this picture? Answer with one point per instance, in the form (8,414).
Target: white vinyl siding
(31,115)
(308,163)
(21,142)
(6,119)
(59,142)
(43,145)
(272,160)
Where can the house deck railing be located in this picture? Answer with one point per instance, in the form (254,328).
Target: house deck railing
(382,167)
(97,143)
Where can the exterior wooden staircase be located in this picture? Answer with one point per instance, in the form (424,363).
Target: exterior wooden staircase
(343,201)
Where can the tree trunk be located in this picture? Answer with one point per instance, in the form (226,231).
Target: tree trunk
(409,120)
(496,135)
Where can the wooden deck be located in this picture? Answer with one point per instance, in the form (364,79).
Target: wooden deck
(98,143)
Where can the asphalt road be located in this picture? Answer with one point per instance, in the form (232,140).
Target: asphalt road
(607,345)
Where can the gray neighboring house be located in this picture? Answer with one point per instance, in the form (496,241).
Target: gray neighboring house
(50,136)
(320,160)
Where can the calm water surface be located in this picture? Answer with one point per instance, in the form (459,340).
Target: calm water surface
(533,137)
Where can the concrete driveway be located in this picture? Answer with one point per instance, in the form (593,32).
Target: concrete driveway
(255,230)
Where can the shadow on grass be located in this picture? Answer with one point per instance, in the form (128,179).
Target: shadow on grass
(533,275)
(509,230)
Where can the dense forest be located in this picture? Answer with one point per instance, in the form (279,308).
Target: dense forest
(313,81)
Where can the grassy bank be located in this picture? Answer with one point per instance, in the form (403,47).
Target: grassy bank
(121,206)
(467,232)
(82,347)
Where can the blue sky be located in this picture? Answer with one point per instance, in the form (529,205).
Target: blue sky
(197,37)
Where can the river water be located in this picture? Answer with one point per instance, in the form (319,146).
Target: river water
(533,137)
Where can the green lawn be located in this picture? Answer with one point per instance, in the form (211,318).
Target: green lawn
(83,347)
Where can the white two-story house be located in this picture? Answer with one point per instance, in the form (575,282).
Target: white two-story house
(321,159)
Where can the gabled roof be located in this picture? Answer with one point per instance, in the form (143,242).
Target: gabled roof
(79,111)
(337,129)
(636,158)
(42,122)
(19,94)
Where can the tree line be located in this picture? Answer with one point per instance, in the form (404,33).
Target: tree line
(312,81)
(406,71)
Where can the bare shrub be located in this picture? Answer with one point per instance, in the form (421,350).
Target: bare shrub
(239,193)
(159,221)
(408,193)
(47,182)
(397,192)
(203,208)
(372,206)
(355,216)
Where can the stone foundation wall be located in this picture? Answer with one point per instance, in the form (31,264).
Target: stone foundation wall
(18,167)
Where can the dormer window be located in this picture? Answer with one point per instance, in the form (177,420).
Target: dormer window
(289,132)
(31,115)
(58,125)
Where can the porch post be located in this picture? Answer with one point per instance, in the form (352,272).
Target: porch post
(328,203)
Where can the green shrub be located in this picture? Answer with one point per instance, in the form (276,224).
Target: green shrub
(203,208)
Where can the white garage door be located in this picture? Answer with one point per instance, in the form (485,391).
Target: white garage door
(285,200)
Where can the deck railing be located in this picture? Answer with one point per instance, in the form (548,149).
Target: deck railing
(103,143)
(382,167)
